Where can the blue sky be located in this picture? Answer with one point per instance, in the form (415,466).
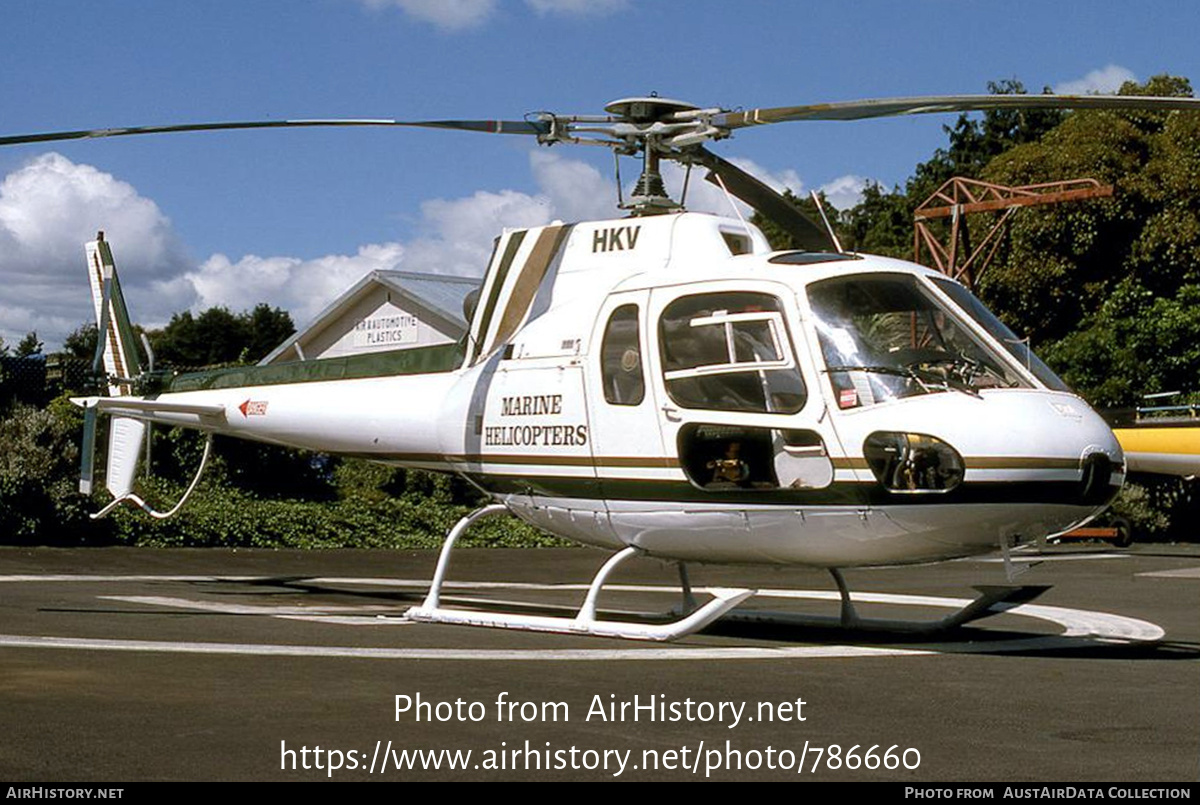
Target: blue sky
(293,217)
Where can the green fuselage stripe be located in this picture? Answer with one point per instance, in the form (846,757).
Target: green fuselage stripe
(1067,493)
(418,360)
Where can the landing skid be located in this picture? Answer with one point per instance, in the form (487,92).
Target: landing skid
(585,621)
(992,600)
(693,617)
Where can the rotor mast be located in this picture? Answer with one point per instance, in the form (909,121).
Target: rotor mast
(646,121)
(656,128)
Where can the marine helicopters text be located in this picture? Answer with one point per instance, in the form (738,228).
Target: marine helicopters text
(668,385)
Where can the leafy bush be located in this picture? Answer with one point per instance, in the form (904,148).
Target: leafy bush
(224,516)
(39,466)
(251,495)
(1136,504)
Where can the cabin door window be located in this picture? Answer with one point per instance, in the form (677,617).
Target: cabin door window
(730,352)
(725,359)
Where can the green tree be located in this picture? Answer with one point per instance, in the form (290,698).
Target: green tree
(975,140)
(779,238)
(214,336)
(266,328)
(1137,343)
(39,501)
(218,336)
(1103,287)
(882,223)
(28,346)
(81,342)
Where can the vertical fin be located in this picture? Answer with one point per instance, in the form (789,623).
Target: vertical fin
(118,345)
(117,353)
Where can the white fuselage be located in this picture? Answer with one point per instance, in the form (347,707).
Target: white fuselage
(667,383)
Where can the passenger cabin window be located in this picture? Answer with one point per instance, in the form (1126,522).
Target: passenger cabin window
(730,352)
(621,358)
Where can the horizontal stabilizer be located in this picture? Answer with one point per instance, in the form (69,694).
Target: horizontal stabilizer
(151,409)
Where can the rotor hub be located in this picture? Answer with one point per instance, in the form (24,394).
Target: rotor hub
(647,110)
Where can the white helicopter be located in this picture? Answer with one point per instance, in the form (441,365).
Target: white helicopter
(665,384)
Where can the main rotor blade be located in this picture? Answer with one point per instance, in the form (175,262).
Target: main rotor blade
(488,126)
(892,107)
(763,198)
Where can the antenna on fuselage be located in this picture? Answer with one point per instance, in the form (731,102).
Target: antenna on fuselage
(837,244)
(729,196)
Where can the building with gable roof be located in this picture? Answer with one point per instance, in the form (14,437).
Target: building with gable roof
(384,311)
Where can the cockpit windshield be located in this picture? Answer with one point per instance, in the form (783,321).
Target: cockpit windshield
(1018,347)
(888,336)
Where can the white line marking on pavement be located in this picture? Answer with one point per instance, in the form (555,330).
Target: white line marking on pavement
(506,655)
(1181,573)
(1035,558)
(1077,624)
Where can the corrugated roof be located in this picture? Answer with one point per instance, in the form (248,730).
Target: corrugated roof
(443,293)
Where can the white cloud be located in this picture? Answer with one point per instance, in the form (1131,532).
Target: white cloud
(574,190)
(51,206)
(845,191)
(578,7)
(459,232)
(787,179)
(456,238)
(48,209)
(302,287)
(1106,80)
(459,15)
(704,196)
(449,15)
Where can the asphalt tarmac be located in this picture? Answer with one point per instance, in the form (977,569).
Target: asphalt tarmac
(137,664)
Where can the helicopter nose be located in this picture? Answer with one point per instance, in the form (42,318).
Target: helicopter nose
(1069,446)
(963,473)
(1101,462)
(1097,487)
(1025,446)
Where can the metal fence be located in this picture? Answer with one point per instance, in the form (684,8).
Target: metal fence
(37,379)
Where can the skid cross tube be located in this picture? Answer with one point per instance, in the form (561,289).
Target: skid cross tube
(587,613)
(433,599)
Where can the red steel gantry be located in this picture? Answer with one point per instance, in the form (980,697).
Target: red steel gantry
(960,196)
